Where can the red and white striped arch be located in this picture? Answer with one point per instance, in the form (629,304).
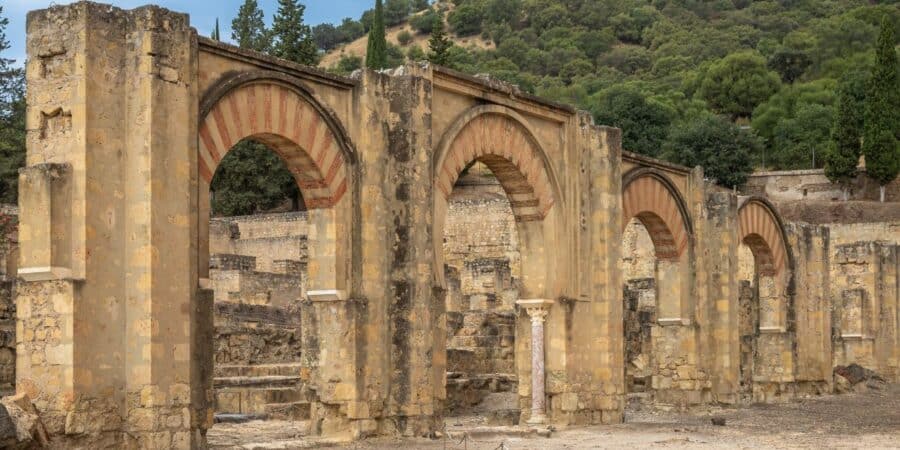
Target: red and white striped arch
(656,206)
(759,228)
(290,125)
(512,154)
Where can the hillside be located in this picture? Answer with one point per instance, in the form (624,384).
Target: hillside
(677,73)
(357,47)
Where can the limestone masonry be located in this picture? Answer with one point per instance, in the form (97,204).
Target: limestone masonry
(467,249)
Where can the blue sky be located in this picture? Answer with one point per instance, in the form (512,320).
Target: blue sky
(203,14)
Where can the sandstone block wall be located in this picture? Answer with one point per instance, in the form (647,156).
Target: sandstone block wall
(814,185)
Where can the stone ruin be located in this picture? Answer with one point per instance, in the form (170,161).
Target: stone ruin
(361,316)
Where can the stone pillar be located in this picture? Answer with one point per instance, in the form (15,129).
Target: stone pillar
(109,239)
(717,278)
(537,310)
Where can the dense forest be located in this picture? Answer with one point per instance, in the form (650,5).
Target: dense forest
(733,85)
(728,84)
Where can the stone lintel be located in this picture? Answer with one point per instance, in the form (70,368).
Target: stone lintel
(45,273)
(326,295)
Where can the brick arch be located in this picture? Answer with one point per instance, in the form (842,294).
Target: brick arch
(652,198)
(282,115)
(761,229)
(499,138)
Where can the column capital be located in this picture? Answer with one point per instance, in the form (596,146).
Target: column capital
(537,309)
(326,295)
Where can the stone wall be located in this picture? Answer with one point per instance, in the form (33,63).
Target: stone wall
(267,237)
(865,293)
(812,184)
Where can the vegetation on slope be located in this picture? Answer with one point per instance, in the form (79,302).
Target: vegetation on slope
(765,71)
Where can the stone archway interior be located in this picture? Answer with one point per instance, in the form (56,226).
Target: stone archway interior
(640,314)
(483,270)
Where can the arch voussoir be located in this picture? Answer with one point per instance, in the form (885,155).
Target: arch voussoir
(507,147)
(652,199)
(287,121)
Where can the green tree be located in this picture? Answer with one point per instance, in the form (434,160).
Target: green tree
(842,153)
(292,39)
(376,52)
(439,44)
(800,141)
(423,23)
(327,36)
(415,53)
(721,147)
(466,19)
(396,11)
(644,121)
(882,119)
(737,83)
(774,119)
(351,29)
(12,120)
(252,179)
(347,64)
(248,28)
(404,38)
(216,35)
(790,64)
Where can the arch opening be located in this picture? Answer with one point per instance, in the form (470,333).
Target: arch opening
(270,273)
(491,143)
(656,293)
(763,262)
(482,265)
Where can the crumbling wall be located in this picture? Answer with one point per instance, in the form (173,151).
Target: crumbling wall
(640,318)
(865,305)
(267,237)
(814,185)
(482,266)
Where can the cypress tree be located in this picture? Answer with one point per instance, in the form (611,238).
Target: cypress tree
(842,153)
(882,116)
(215,33)
(292,39)
(376,53)
(248,29)
(439,44)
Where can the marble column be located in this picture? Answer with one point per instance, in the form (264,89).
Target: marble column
(537,310)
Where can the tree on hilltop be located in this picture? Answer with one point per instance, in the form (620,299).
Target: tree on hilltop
(376,51)
(439,44)
(291,38)
(882,125)
(842,153)
(248,28)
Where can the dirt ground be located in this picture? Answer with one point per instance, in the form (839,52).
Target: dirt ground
(866,420)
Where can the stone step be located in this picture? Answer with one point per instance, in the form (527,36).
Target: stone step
(253,400)
(288,411)
(258,370)
(257,381)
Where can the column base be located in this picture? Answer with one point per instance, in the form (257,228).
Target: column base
(537,419)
